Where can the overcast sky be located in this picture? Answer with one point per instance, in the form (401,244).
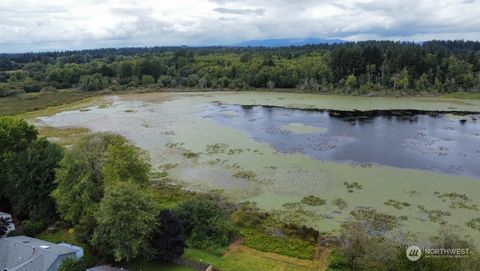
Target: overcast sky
(32,25)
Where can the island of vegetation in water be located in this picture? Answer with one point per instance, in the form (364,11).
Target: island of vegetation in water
(120,195)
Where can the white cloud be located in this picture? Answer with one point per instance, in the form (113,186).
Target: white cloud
(68,24)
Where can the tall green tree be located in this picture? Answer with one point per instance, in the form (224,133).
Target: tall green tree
(126,218)
(167,242)
(31,175)
(88,169)
(27,169)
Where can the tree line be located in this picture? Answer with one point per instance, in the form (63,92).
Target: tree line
(354,68)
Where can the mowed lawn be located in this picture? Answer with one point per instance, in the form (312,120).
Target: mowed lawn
(141,265)
(244,258)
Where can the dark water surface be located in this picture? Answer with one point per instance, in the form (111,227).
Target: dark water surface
(442,144)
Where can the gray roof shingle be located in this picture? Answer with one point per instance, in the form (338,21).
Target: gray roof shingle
(16,251)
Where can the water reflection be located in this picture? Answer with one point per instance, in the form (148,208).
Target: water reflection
(422,141)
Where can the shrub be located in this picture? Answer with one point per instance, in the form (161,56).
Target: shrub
(303,232)
(337,261)
(247,215)
(32,87)
(71,264)
(32,228)
(367,251)
(148,80)
(93,82)
(364,251)
(206,225)
(293,247)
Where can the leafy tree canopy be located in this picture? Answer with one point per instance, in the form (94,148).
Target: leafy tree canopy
(126,218)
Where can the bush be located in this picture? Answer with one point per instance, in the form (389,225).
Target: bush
(32,228)
(248,215)
(32,87)
(148,80)
(337,261)
(206,225)
(303,232)
(366,250)
(293,247)
(71,264)
(93,82)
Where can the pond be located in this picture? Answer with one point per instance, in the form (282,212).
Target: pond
(434,142)
(276,149)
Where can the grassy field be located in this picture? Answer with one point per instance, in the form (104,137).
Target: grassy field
(463,95)
(140,265)
(243,258)
(28,102)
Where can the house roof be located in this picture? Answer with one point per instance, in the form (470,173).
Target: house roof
(4,214)
(17,251)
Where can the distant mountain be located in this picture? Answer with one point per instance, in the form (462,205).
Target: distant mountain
(287,42)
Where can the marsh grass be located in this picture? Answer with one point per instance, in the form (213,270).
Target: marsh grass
(64,136)
(435,215)
(460,201)
(352,185)
(397,204)
(340,203)
(169,166)
(474,223)
(313,201)
(377,220)
(28,102)
(216,148)
(245,174)
(292,205)
(190,154)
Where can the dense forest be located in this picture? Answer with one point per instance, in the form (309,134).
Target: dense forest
(354,68)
